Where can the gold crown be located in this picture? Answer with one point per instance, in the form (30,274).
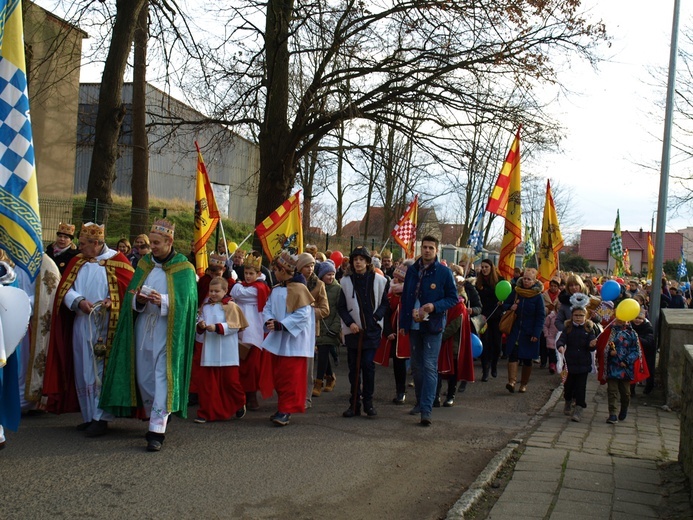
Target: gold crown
(163,227)
(286,261)
(216,259)
(252,261)
(93,231)
(66,229)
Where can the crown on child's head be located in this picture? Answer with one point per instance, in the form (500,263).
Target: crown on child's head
(66,229)
(163,227)
(217,260)
(253,262)
(93,231)
(286,261)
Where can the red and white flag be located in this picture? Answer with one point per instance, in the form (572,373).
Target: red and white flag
(405,230)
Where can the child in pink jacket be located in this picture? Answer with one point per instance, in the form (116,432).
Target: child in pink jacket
(550,333)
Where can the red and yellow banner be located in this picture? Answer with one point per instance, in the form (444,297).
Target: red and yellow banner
(206,214)
(404,233)
(498,200)
(283,228)
(505,201)
(650,257)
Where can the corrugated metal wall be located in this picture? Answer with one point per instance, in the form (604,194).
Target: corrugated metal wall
(231,161)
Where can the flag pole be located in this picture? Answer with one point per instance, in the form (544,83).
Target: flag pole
(384,246)
(245,239)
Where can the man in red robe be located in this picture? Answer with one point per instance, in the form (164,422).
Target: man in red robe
(85,314)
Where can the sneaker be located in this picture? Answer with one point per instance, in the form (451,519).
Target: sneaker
(370,411)
(612,419)
(349,412)
(623,414)
(281,419)
(199,420)
(240,413)
(416,410)
(568,408)
(399,399)
(577,414)
(450,401)
(425,420)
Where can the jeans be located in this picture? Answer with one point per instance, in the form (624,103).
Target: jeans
(424,367)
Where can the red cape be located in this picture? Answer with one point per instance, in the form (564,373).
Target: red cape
(59,379)
(465,361)
(401,341)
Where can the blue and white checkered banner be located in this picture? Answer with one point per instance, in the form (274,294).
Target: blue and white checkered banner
(20,224)
(476,238)
(682,270)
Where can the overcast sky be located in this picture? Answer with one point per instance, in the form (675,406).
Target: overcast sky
(610,126)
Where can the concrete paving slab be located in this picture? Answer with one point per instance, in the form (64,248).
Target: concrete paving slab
(588,485)
(637,497)
(578,495)
(591,509)
(635,510)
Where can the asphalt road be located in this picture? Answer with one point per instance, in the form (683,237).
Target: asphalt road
(320,466)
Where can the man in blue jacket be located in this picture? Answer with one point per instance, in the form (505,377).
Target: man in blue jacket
(429,291)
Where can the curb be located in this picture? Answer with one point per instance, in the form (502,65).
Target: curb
(477,489)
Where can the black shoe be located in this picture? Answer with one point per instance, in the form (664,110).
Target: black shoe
(436,402)
(83,426)
(623,414)
(370,411)
(154,445)
(484,377)
(2,445)
(240,413)
(97,429)
(425,420)
(450,401)
(494,372)
(349,412)
(399,399)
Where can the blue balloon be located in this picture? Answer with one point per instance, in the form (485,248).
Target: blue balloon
(611,290)
(477,346)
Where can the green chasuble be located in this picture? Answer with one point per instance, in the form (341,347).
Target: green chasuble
(119,394)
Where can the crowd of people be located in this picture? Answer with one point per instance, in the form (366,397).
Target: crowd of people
(133,332)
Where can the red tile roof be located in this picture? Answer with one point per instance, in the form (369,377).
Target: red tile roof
(594,244)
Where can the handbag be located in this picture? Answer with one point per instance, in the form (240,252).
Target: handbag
(505,325)
(479,323)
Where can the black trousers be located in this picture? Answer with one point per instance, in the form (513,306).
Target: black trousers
(575,387)
(324,366)
(366,376)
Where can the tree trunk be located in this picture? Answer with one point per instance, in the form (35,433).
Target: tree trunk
(111,111)
(140,152)
(277,147)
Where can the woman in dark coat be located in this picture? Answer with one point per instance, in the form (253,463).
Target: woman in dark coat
(486,280)
(523,341)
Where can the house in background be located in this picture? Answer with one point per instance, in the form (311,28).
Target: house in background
(594,247)
(233,163)
(53,50)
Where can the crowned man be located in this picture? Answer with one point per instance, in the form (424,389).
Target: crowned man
(63,249)
(153,345)
(85,313)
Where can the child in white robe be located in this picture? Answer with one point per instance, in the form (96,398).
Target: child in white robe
(219,389)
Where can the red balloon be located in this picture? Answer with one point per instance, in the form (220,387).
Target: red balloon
(337,258)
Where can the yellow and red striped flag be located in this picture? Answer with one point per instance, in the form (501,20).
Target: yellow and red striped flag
(405,230)
(283,228)
(551,239)
(505,201)
(498,200)
(206,214)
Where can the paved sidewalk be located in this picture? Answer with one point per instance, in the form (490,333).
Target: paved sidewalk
(591,469)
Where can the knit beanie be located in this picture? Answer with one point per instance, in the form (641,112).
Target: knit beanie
(326,267)
(303,260)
